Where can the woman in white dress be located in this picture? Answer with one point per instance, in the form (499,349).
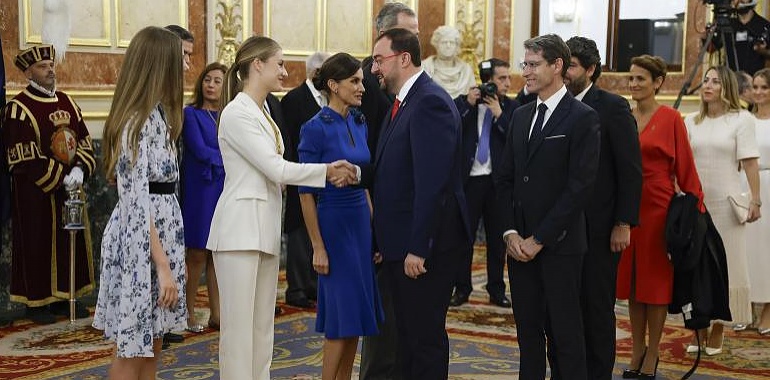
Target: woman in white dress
(723,144)
(757,234)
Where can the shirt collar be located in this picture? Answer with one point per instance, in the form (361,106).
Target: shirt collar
(49,93)
(554,100)
(408,86)
(583,93)
(316,94)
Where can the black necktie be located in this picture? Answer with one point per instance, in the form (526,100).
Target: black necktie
(537,129)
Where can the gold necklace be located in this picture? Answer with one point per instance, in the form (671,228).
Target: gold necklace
(276,132)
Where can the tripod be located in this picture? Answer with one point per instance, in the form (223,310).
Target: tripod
(724,32)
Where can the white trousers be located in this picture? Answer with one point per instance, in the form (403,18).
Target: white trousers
(248,282)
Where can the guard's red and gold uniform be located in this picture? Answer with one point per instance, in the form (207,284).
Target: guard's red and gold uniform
(44,138)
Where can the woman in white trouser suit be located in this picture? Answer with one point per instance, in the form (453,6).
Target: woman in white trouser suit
(246,227)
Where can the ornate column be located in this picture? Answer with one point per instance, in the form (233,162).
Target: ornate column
(229,23)
(473,19)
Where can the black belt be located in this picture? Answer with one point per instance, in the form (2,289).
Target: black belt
(162,187)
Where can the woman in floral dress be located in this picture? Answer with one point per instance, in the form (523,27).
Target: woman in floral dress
(141,293)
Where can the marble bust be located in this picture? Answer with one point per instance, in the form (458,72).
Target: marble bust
(446,68)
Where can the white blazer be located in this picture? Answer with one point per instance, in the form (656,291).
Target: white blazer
(248,213)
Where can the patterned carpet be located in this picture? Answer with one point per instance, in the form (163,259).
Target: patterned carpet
(482,338)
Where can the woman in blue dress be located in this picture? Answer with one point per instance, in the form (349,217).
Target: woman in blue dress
(338,220)
(141,290)
(203,180)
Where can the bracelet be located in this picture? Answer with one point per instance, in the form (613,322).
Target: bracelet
(622,225)
(756,203)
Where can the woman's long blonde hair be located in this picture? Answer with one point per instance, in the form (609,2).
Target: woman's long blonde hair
(151,73)
(728,96)
(255,47)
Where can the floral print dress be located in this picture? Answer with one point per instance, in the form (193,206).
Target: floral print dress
(127,308)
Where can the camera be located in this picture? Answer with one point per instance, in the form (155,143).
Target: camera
(488,89)
(762,38)
(723,11)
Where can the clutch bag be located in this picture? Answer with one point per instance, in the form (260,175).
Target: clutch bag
(740,205)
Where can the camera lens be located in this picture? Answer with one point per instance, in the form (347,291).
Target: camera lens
(488,89)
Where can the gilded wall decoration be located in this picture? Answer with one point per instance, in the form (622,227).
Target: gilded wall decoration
(99,24)
(228,24)
(472,19)
(303,27)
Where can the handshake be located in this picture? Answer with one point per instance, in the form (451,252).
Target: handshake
(342,173)
(73,180)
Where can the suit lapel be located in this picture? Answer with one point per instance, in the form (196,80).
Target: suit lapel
(528,126)
(561,111)
(310,99)
(385,132)
(388,126)
(262,119)
(591,98)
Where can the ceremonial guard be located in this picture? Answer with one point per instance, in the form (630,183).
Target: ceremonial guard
(48,151)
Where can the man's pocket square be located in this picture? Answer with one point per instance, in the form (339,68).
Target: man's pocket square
(554,137)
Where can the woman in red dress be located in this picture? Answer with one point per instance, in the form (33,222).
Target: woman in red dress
(645,275)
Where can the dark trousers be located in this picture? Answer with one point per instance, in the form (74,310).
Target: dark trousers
(481,200)
(600,271)
(379,353)
(546,305)
(420,306)
(301,278)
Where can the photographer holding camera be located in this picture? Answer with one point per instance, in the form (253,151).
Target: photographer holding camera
(486,113)
(750,38)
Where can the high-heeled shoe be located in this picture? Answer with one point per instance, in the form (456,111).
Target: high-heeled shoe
(711,351)
(647,376)
(691,349)
(634,373)
(763,331)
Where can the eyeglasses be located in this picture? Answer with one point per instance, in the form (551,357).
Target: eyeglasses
(379,60)
(532,65)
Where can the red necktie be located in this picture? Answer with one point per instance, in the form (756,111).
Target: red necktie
(395,109)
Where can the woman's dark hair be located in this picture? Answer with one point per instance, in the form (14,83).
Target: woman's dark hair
(338,67)
(655,65)
(197,98)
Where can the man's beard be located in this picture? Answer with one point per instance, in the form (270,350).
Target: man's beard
(577,85)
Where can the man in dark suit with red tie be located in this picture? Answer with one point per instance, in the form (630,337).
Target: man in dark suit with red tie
(546,177)
(486,113)
(420,220)
(613,207)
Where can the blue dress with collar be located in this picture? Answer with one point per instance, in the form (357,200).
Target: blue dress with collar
(348,299)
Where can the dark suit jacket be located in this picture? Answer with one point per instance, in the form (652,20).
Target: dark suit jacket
(375,105)
(543,191)
(469,115)
(418,191)
(299,106)
(618,187)
(523,98)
